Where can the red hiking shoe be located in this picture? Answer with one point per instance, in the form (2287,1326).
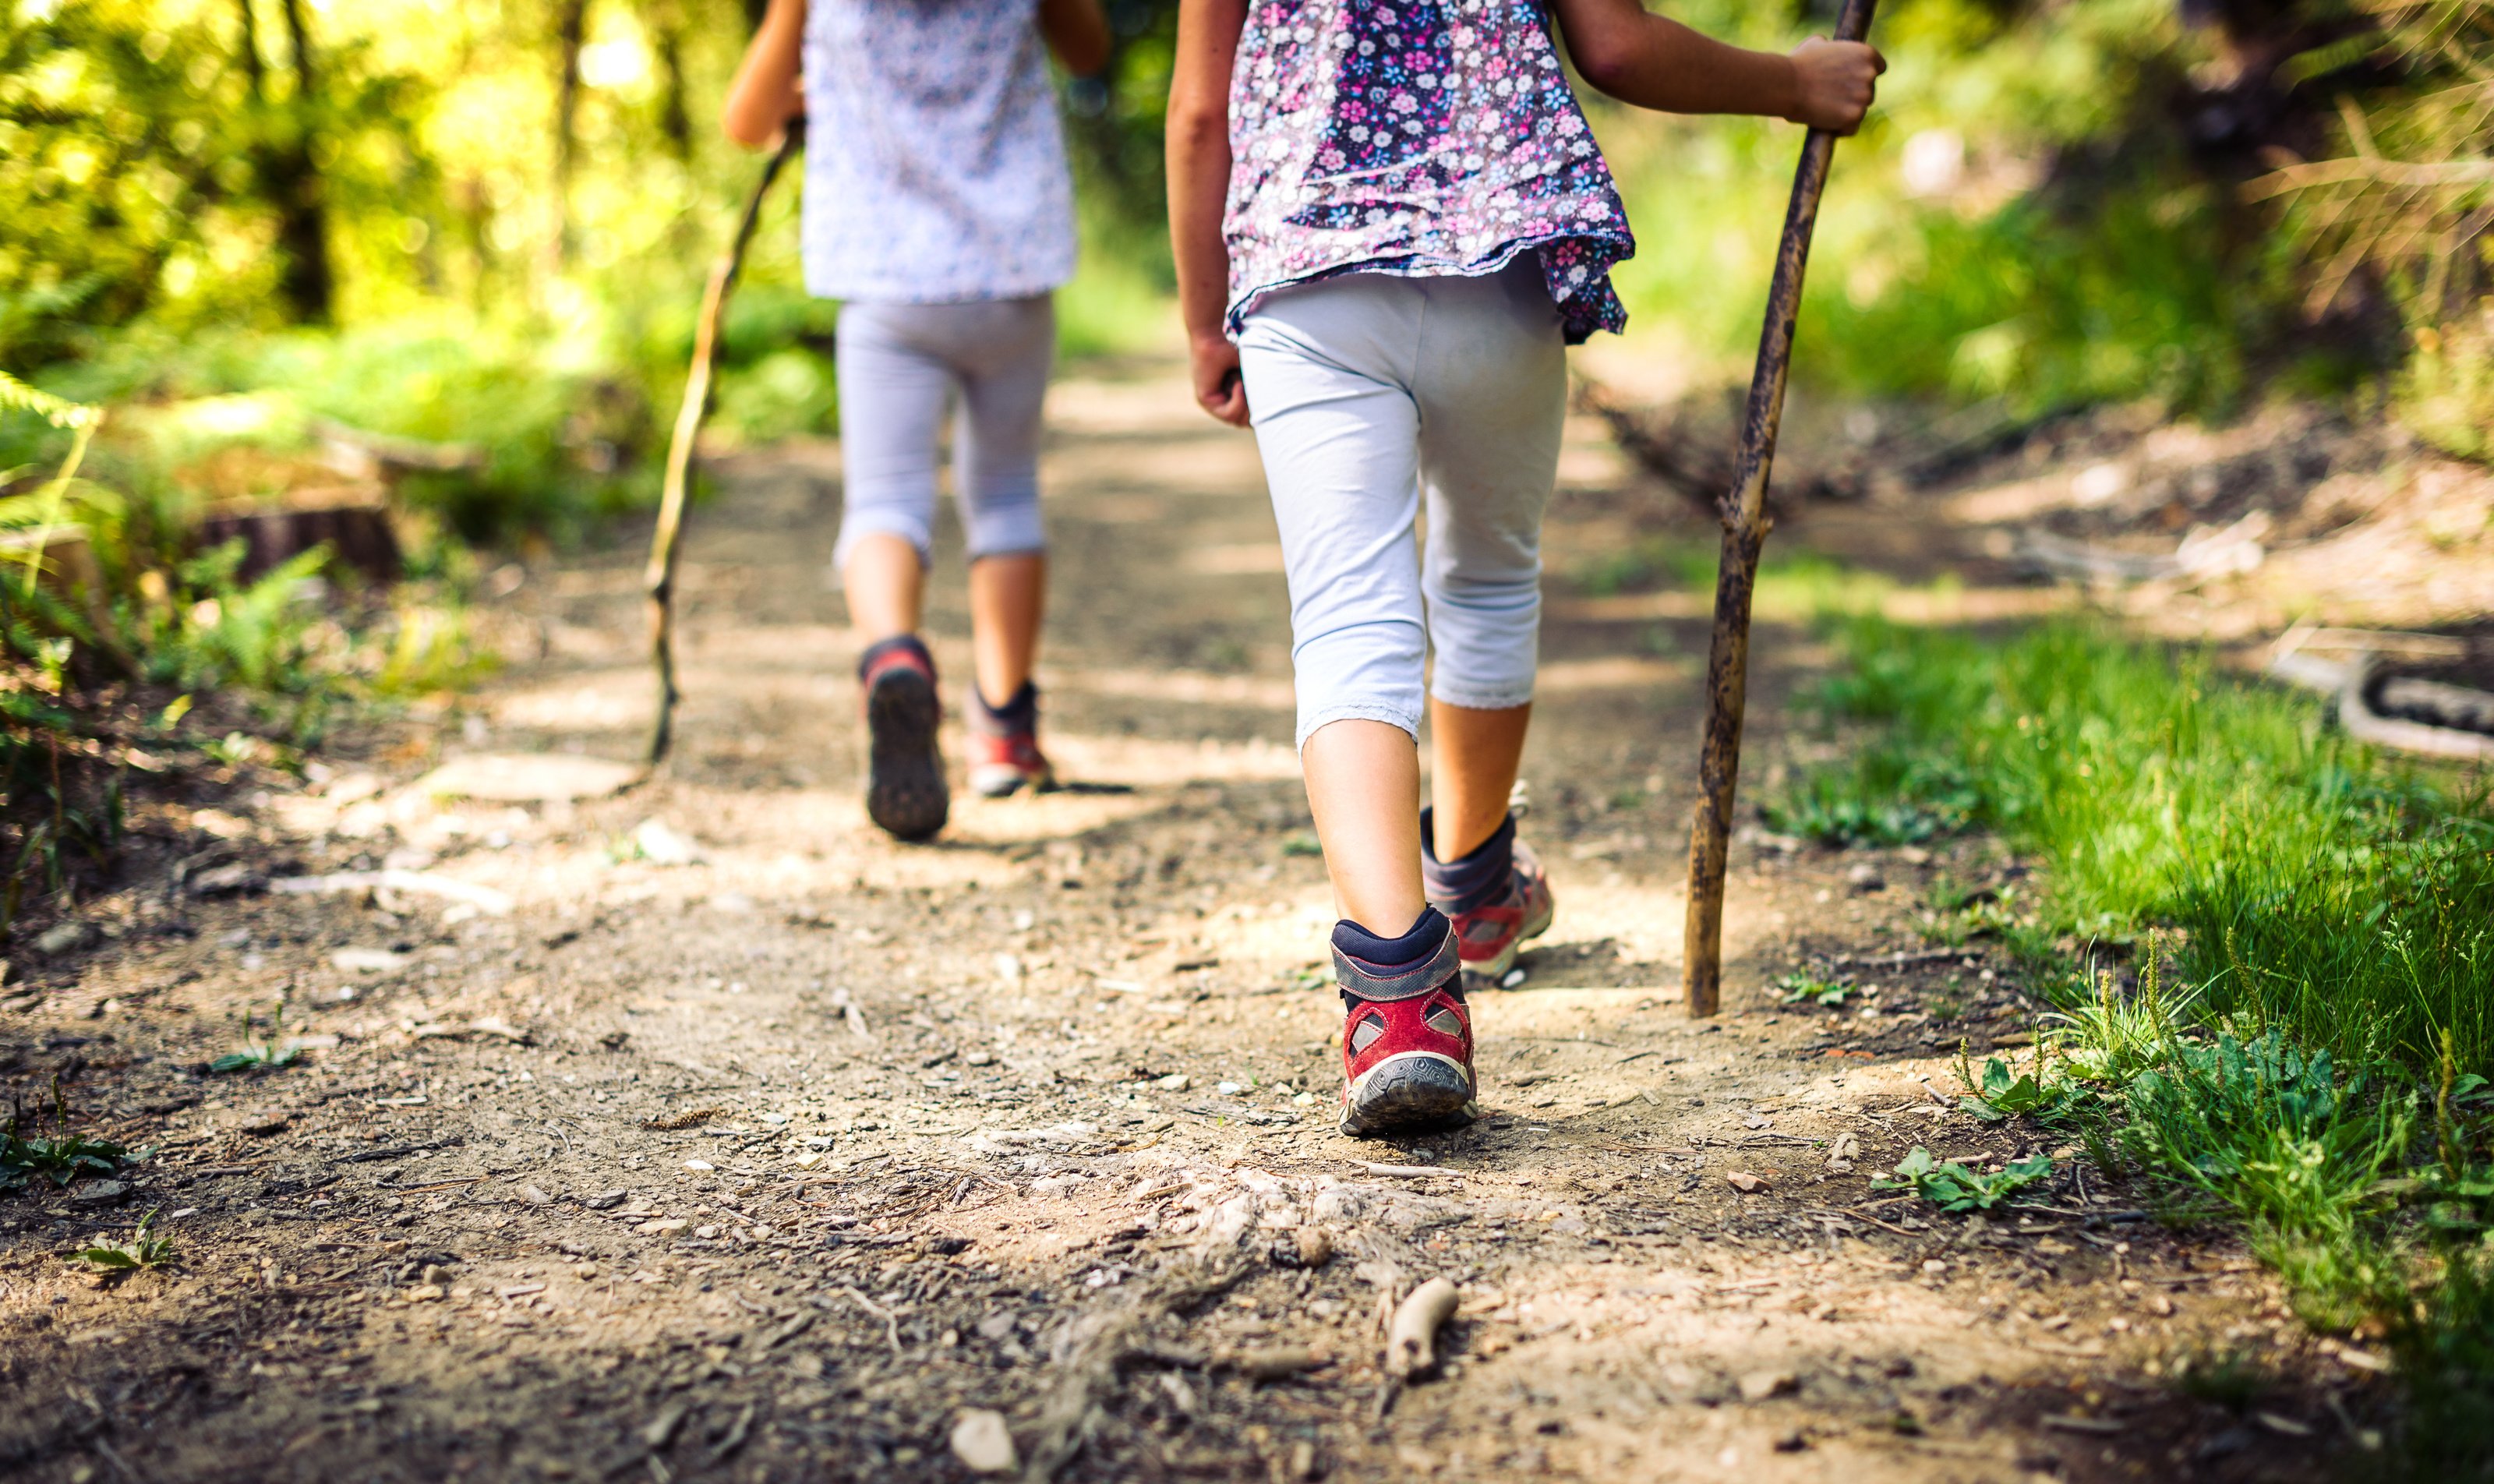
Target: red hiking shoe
(1004,747)
(905,792)
(1489,936)
(1407,1045)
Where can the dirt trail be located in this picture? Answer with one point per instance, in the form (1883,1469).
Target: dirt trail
(758,1148)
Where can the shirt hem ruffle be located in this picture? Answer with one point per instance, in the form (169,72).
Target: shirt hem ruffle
(1593,305)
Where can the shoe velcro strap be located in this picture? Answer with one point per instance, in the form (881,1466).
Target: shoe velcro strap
(1362,982)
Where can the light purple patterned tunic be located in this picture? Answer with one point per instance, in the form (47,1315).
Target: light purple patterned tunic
(1424,137)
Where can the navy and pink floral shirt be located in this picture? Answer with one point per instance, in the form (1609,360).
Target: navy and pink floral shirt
(1425,138)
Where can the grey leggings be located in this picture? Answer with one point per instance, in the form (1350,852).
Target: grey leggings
(898,363)
(1375,396)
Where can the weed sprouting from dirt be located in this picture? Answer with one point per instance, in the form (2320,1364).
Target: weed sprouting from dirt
(61,1158)
(1955,1188)
(1809,990)
(145,1250)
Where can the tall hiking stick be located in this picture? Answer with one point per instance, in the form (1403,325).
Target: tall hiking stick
(1736,575)
(660,576)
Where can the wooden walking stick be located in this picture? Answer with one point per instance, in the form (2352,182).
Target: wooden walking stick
(660,576)
(1736,576)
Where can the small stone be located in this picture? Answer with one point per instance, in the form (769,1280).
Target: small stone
(434,1275)
(1865,877)
(100,1192)
(583,1270)
(706,1233)
(64,938)
(1747,1183)
(232,880)
(423,1294)
(1316,1249)
(1514,977)
(980,1059)
(368,960)
(1175,1081)
(809,1159)
(1760,1385)
(699,1165)
(666,1227)
(537,1196)
(1008,968)
(661,845)
(982,1443)
(605,1200)
(1934,1266)
(265,1122)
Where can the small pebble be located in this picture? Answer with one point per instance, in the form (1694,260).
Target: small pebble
(983,1443)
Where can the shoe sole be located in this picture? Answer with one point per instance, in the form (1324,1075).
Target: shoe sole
(905,781)
(1005,783)
(1413,1093)
(1487,976)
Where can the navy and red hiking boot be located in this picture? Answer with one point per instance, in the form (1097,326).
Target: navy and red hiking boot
(1498,897)
(1407,1038)
(1004,745)
(904,771)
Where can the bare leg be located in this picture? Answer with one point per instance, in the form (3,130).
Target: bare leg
(886,585)
(1007,596)
(1476,753)
(1364,789)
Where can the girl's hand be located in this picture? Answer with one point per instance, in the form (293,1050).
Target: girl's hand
(1218,388)
(1836,82)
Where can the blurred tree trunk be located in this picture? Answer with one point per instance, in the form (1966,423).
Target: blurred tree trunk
(570,29)
(675,118)
(305,280)
(249,48)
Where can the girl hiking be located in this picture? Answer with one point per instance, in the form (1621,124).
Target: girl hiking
(939,211)
(1390,218)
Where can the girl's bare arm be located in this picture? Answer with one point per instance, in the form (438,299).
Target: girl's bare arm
(767,93)
(1656,62)
(1199,187)
(1078,32)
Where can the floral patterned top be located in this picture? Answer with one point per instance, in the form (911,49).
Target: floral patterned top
(1414,137)
(934,169)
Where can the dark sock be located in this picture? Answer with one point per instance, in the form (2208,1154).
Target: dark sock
(908,642)
(1019,714)
(1462,884)
(1418,943)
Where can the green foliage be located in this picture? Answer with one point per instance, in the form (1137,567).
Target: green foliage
(1809,989)
(2315,926)
(259,1056)
(60,1159)
(2348,902)
(145,1250)
(1999,1094)
(1955,1189)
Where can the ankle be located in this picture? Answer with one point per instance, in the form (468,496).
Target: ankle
(899,649)
(1477,876)
(1018,715)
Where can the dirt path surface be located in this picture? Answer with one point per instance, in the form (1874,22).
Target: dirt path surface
(718,1137)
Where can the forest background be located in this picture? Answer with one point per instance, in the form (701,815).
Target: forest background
(252,252)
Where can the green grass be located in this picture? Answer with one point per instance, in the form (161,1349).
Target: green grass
(2272,954)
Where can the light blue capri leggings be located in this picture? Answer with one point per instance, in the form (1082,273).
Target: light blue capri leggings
(1372,396)
(899,364)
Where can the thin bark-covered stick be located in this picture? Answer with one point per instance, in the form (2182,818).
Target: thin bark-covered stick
(1736,576)
(660,576)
